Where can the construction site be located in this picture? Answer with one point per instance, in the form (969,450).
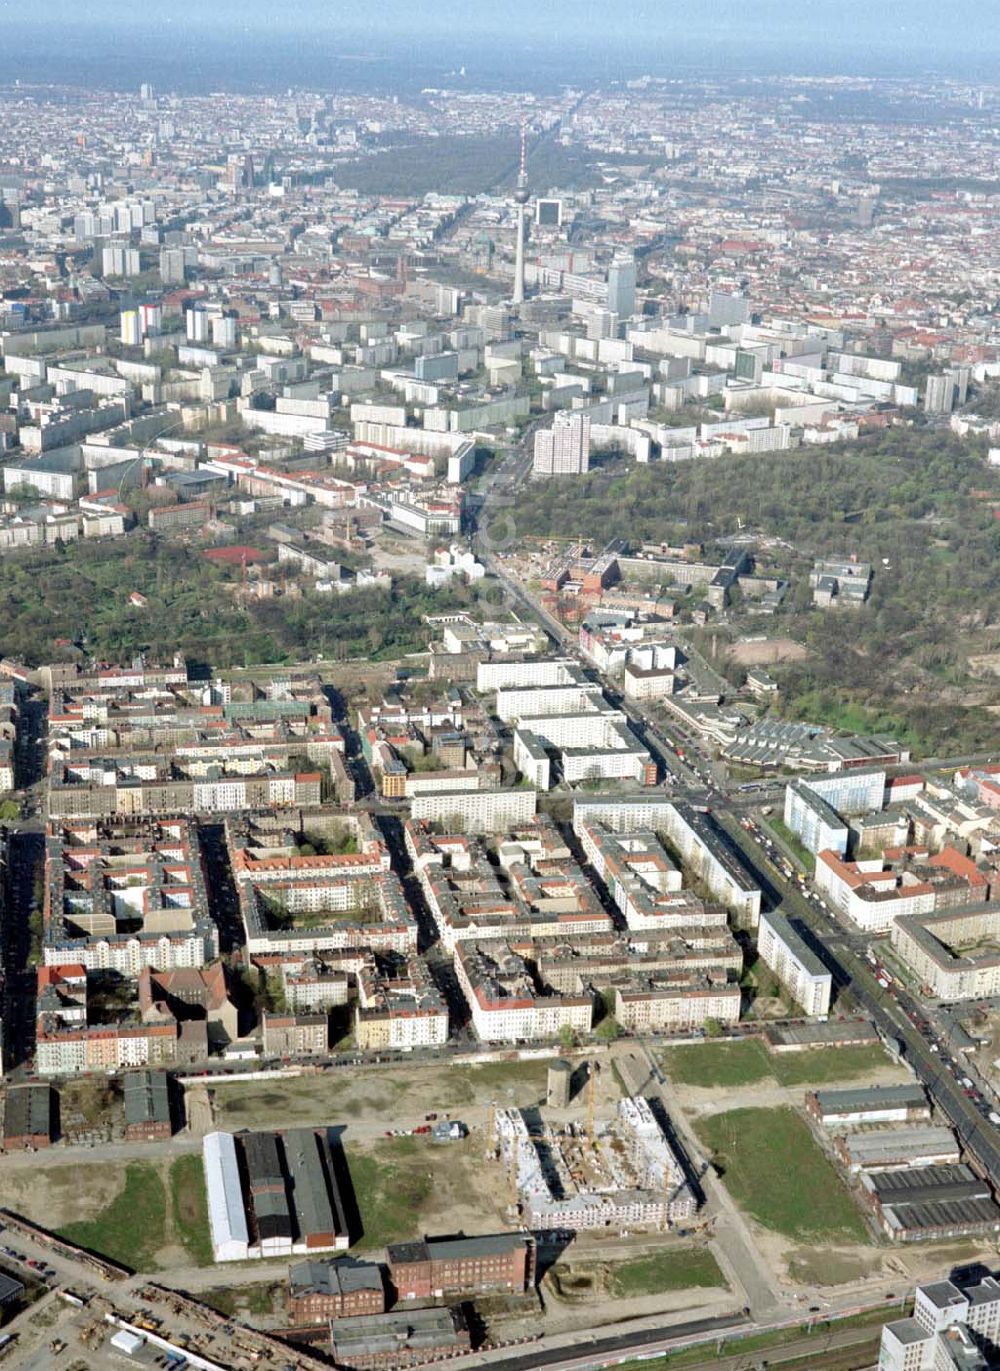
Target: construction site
(620,1173)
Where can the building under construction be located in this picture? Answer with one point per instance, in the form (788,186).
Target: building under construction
(622,1174)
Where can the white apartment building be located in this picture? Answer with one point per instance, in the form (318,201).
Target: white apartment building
(869,894)
(691,833)
(673,1008)
(928,947)
(128,954)
(589,745)
(794,963)
(542,671)
(814,820)
(947,1329)
(563,449)
(476,811)
(650,671)
(525,702)
(503,1002)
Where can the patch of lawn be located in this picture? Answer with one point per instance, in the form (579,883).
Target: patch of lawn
(131,1229)
(749,1061)
(819,1065)
(189,1203)
(676,1269)
(736,1063)
(776,1173)
(390,1187)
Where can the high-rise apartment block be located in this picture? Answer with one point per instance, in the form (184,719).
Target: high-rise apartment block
(563,449)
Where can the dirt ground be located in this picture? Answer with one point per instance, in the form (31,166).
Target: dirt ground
(466,1194)
(698,1101)
(838,1269)
(198,1112)
(391,1098)
(62,1194)
(396,554)
(760,651)
(563,1315)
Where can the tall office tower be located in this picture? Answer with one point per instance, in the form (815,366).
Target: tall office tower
(117,259)
(961,376)
(621,287)
(563,449)
(521,198)
(146,91)
(173,263)
(866,210)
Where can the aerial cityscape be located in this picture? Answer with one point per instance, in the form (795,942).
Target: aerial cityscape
(500,687)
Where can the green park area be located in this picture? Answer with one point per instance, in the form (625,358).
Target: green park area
(746,1062)
(916,505)
(775,1172)
(79,594)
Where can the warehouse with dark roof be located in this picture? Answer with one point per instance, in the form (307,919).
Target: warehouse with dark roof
(931,1202)
(285,1189)
(27,1117)
(147,1105)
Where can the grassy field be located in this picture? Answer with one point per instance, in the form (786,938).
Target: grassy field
(387,1095)
(405,1187)
(391,1189)
(189,1206)
(708,1064)
(746,1062)
(131,1228)
(674,1269)
(820,1065)
(776,1173)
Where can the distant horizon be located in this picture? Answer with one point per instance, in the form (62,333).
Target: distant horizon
(247,46)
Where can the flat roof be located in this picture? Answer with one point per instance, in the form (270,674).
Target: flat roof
(147,1097)
(315,1194)
(455,1249)
(870,1097)
(27,1111)
(794,942)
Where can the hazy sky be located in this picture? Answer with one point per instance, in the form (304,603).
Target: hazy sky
(914,22)
(88,41)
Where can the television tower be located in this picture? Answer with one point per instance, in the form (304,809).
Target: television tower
(521,197)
